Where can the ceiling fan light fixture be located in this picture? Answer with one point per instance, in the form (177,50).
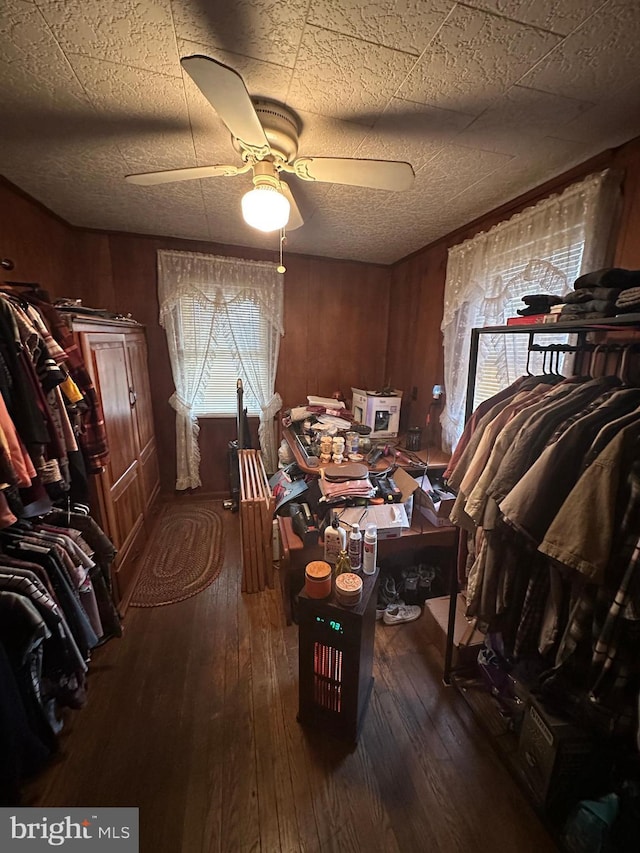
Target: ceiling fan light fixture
(265,208)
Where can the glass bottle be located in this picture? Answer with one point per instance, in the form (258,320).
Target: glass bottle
(342,563)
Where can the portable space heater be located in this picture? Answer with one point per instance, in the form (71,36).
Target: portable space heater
(335,661)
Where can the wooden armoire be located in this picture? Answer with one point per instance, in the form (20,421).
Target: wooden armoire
(124,493)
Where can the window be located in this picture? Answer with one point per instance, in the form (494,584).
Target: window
(218,396)
(223,320)
(541,250)
(501,361)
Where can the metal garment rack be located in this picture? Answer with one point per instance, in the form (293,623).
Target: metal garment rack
(582,345)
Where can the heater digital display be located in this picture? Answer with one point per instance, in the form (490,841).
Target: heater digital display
(335,626)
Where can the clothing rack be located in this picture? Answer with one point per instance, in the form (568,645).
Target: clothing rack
(608,324)
(581,347)
(594,358)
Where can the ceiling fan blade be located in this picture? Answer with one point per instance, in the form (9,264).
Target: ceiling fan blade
(376,174)
(295,217)
(166,176)
(225,90)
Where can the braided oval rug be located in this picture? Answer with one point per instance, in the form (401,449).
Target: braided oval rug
(184,555)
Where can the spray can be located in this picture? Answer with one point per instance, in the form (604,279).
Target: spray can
(355,548)
(370,549)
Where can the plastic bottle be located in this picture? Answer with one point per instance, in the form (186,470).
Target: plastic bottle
(335,540)
(355,548)
(370,549)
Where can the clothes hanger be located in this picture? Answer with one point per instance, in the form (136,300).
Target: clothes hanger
(559,349)
(594,360)
(527,368)
(622,369)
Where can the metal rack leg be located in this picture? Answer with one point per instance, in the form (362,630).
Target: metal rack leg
(451,624)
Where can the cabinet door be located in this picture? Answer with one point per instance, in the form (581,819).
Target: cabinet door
(143,416)
(110,371)
(120,488)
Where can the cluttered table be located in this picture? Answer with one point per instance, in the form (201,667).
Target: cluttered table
(294,555)
(398,532)
(432,458)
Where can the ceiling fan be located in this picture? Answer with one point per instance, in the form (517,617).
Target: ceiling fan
(265,134)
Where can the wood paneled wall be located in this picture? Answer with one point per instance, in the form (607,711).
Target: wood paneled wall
(335,317)
(346,323)
(414,349)
(41,246)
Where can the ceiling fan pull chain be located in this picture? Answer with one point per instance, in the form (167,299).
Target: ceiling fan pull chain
(281,268)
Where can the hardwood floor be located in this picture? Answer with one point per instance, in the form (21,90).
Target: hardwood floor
(192,718)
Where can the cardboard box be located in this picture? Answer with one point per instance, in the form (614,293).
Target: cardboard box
(467,640)
(407,486)
(380,413)
(554,758)
(434,503)
(390,519)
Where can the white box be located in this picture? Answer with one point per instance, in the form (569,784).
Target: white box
(390,519)
(467,640)
(380,413)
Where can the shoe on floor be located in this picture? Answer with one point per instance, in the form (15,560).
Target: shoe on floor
(381,608)
(396,613)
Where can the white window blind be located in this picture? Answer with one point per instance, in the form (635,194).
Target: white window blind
(218,397)
(542,249)
(512,349)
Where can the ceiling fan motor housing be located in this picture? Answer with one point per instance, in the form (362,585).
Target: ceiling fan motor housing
(281,127)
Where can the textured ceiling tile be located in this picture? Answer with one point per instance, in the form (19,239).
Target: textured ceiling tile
(344,229)
(465,166)
(334,242)
(406,25)
(221,230)
(34,73)
(599,57)
(522,174)
(378,223)
(158,134)
(310,196)
(64,137)
(133,32)
(413,133)
(610,123)
(263,29)
(344,77)
(222,197)
(43,172)
(322,136)
(474,58)
(518,119)
(560,16)
(175,209)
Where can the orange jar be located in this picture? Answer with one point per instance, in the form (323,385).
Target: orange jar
(317,579)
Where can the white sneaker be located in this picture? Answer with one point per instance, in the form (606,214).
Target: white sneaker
(396,613)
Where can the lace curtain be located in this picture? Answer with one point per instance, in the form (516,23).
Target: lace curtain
(197,294)
(545,247)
